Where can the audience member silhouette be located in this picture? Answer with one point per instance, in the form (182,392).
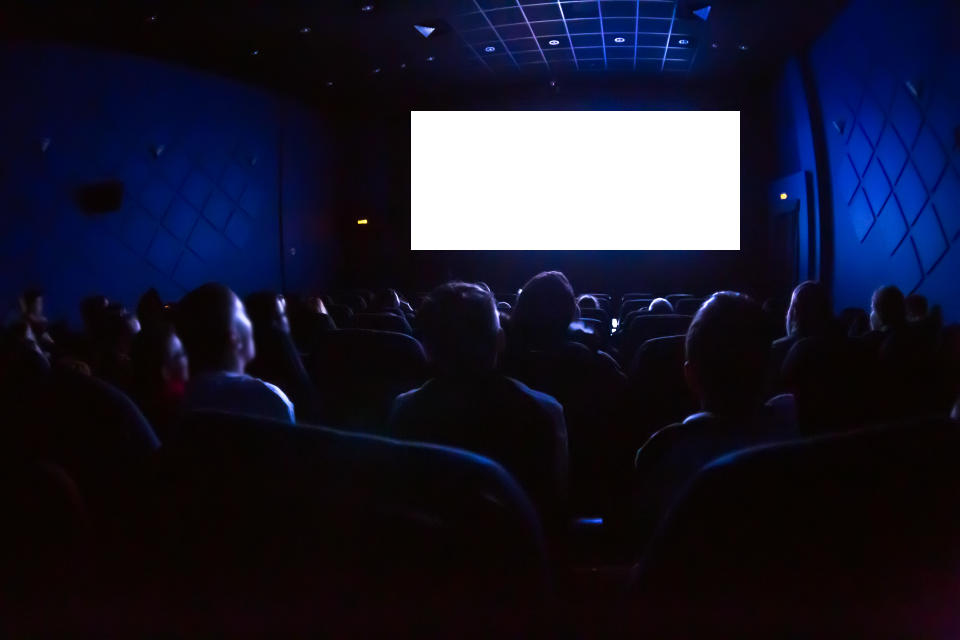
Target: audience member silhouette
(160,374)
(277,360)
(660,305)
(808,315)
(887,309)
(586,301)
(218,337)
(726,362)
(468,404)
(544,310)
(916,307)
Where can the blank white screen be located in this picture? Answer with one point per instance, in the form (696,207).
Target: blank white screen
(561,180)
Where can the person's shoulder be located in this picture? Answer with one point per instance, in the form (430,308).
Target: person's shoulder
(657,443)
(544,399)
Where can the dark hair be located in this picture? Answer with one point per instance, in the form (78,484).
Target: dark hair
(204,318)
(262,309)
(149,353)
(545,308)
(150,309)
(916,305)
(660,305)
(459,324)
(728,346)
(889,304)
(809,313)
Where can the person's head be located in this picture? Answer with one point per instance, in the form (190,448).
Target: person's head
(150,309)
(809,313)
(545,308)
(386,300)
(887,309)
(31,302)
(267,309)
(916,307)
(586,301)
(216,332)
(727,349)
(159,360)
(92,310)
(461,328)
(660,305)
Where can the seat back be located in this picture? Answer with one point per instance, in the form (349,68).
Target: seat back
(688,306)
(632,305)
(596,314)
(835,536)
(343,532)
(358,373)
(657,390)
(644,327)
(383,321)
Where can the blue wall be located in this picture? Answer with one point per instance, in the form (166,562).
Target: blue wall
(894,168)
(205,209)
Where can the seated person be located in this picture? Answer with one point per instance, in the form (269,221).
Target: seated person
(160,374)
(726,351)
(471,406)
(916,307)
(808,316)
(218,338)
(660,305)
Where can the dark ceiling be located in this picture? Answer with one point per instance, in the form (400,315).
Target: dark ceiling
(341,50)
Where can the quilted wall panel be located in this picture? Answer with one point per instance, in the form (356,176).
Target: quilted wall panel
(888,78)
(198,158)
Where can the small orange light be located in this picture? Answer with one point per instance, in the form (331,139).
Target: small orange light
(362,221)
(783,196)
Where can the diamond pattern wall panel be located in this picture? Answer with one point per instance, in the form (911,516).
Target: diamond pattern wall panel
(903,149)
(197,157)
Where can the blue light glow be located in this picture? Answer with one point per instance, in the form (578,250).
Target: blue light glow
(590,521)
(683,42)
(367,8)
(489,49)
(305,30)
(619,39)
(553,43)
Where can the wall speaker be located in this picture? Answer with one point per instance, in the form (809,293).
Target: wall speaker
(100,197)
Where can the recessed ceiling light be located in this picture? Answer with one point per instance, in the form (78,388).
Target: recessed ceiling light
(367,8)
(403,65)
(683,42)
(619,39)
(743,47)
(553,43)
(255,52)
(783,196)
(377,70)
(424,31)
(305,30)
(152,19)
(715,45)
(430,58)
(489,49)
(329,83)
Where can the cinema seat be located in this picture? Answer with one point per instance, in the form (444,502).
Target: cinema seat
(305,528)
(596,314)
(657,390)
(632,305)
(383,321)
(632,296)
(840,536)
(358,373)
(687,306)
(645,327)
(342,315)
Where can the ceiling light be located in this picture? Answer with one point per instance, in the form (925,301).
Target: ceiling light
(683,42)
(715,45)
(377,70)
(329,83)
(783,196)
(553,43)
(424,31)
(305,30)
(743,47)
(489,49)
(152,19)
(619,39)
(366,8)
(430,58)
(362,221)
(403,65)
(703,13)
(255,52)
